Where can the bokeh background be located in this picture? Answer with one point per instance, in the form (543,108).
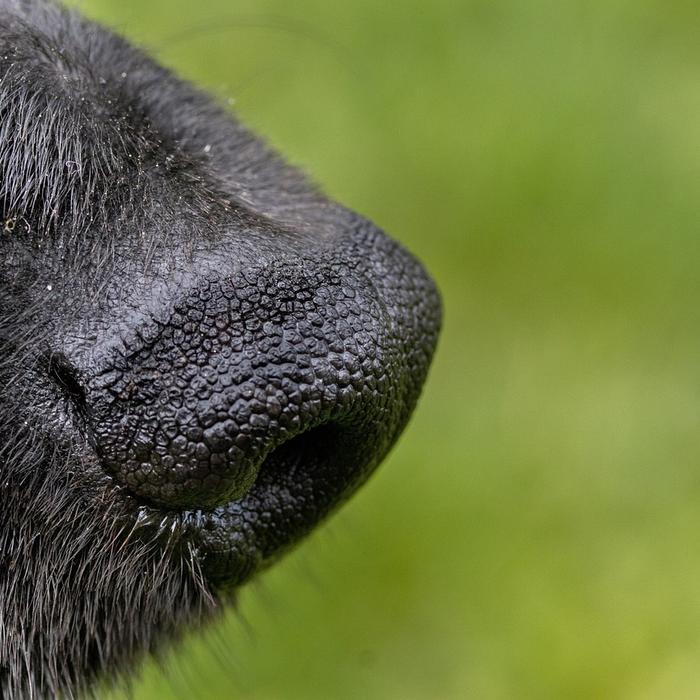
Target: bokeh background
(536,533)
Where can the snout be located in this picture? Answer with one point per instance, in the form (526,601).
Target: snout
(267,396)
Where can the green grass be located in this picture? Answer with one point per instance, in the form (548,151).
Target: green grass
(536,533)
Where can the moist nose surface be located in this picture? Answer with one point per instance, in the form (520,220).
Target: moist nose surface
(239,371)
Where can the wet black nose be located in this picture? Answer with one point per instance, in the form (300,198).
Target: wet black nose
(289,362)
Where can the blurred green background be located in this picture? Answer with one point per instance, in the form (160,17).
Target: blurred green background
(536,533)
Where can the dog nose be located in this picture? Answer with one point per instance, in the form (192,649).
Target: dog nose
(289,362)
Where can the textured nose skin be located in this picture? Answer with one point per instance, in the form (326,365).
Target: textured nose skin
(315,359)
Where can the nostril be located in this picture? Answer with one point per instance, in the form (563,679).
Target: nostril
(65,376)
(326,462)
(305,450)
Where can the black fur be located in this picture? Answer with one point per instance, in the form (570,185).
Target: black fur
(200,356)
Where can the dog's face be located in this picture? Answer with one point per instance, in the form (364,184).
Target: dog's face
(200,356)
